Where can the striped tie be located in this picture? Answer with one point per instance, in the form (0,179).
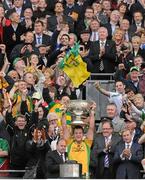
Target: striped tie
(106,159)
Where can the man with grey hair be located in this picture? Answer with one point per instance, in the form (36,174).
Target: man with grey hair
(117,122)
(102,54)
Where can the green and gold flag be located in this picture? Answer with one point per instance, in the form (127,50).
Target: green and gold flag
(74,67)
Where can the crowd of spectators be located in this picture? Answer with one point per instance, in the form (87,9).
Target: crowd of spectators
(35,124)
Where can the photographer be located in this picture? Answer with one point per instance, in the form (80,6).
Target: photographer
(125,57)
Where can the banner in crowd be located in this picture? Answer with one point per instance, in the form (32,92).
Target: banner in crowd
(74,67)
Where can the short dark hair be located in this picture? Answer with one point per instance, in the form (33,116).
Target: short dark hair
(109,122)
(20,116)
(78,127)
(119,81)
(60,139)
(65,35)
(39,21)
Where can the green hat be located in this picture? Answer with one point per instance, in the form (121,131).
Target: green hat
(16,60)
(36,95)
(134,68)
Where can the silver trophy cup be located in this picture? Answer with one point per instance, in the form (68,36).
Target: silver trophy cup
(79,110)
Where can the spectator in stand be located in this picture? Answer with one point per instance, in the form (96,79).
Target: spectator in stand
(24,49)
(114,97)
(117,122)
(3,22)
(133,79)
(59,17)
(118,37)
(72,9)
(138,6)
(37,147)
(125,25)
(106,5)
(18,7)
(4,156)
(138,25)
(54,159)
(39,36)
(113,23)
(19,135)
(103,54)
(13,33)
(85,23)
(94,26)
(122,8)
(98,13)
(41,11)
(128,155)
(28,19)
(136,42)
(103,151)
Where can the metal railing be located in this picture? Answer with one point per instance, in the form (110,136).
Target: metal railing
(108,76)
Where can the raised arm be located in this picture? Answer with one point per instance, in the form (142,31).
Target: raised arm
(101,90)
(66,131)
(90,133)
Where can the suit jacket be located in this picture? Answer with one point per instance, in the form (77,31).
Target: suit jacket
(10,11)
(109,58)
(98,155)
(131,85)
(45,40)
(141,52)
(52,23)
(74,8)
(137,7)
(52,161)
(133,29)
(109,28)
(8,34)
(118,125)
(129,168)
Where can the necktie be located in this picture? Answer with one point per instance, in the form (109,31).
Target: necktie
(62,157)
(106,159)
(102,44)
(94,36)
(39,40)
(126,36)
(44,60)
(101,66)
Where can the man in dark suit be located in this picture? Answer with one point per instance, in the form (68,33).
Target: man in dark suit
(131,125)
(128,156)
(84,23)
(113,23)
(102,56)
(138,25)
(18,7)
(59,16)
(54,159)
(72,9)
(23,49)
(138,6)
(103,151)
(13,33)
(40,37)
(125,25)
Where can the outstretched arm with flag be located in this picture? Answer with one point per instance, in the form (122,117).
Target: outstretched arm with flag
(74,67)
